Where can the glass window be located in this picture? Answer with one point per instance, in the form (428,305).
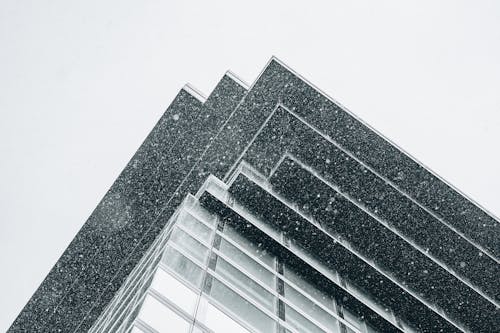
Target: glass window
(203,215)
(197,330)
(241,308)
(351,318)
(309,307)
(250,265)
(309,289)
(136,329)
(175,291)
(370,329)
(161,318)
(183,266)
(195,227)
(299,322)
(189,245)
(219,322)
(245,284)
(257,249)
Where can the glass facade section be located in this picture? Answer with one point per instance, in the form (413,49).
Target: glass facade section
(299,322)
(136,329)
(218,321)
(189,245)
(242,308)
(353,320)
(309,307)
(244,287)
(255,249)
(245,284)
(159,317)
(183,266)
(195,227)
(175,291)
(308,289)
(246,262)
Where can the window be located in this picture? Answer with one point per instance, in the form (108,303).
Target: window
(299,322)
(256,249)
(175,291)
(245,284)
(161,318)
(309,289)
(183,266)
(195,227)
(241,308)
(309,307)
(250,265)
(189,245)
(352,319)
(219,322)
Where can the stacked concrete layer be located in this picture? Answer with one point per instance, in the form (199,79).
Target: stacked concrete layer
(363,252)
(336,265)
(404,218)
(280,116)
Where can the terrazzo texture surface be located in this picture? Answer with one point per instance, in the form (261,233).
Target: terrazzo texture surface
(435,252)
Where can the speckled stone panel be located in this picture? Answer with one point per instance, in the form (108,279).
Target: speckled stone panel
(278,85)
(389,161)
(332,255)
(173,170)
(114,237)
(227,214)
(109,215)
(285,133)
(341,217)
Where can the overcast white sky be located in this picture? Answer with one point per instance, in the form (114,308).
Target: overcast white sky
(83,82)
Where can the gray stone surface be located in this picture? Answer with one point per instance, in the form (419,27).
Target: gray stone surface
(284,133)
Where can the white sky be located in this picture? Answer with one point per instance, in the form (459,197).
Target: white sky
(83,82)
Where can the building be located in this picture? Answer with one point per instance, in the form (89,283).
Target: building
(271,208)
